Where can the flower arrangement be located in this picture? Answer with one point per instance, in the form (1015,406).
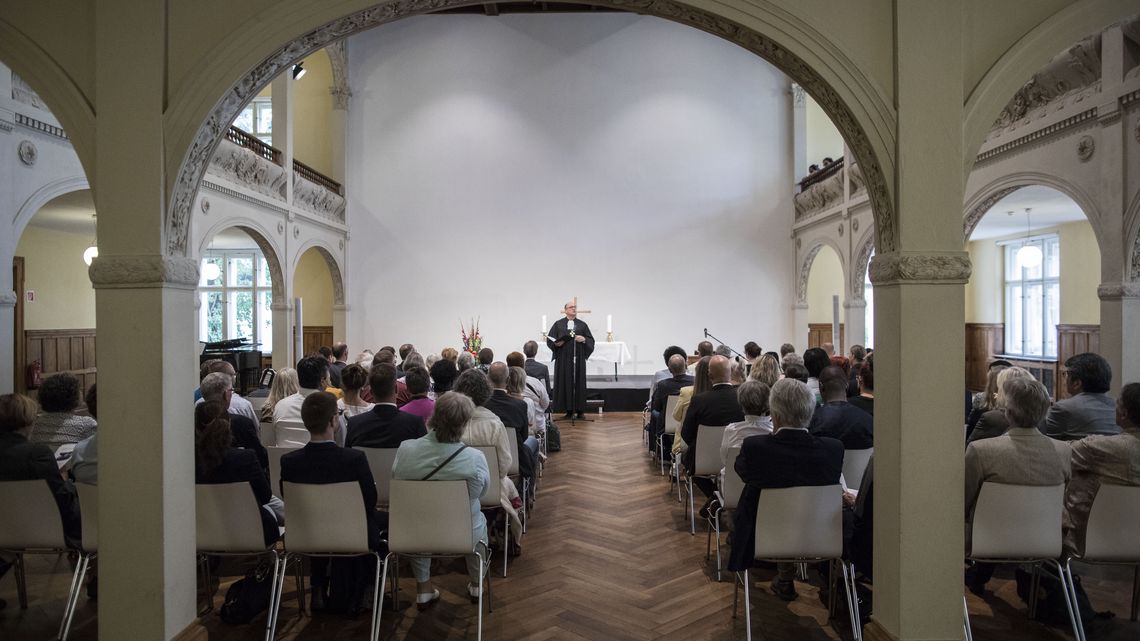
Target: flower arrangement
(472,339)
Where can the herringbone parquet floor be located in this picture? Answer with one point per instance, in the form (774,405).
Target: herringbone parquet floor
(607,556)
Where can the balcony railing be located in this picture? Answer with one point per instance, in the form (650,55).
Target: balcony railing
(254,144)
(315,176)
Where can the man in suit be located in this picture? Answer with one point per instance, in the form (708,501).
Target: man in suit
(383,425)
(839,419)
(533,367)
(1090,410)
(718,406)
(321,462)
(513,413)
(1021,456)
(661,392)
(340,361)
(789,457)
(219,387)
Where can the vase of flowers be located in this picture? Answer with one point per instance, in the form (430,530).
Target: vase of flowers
(472,339)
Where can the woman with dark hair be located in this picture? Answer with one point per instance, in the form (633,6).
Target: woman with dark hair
(701,383)
(866,398)
(419,384)
(217,461)
(353,378)
(56,425)
(443,374)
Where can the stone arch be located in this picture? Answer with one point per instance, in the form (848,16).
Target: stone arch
(815,245)
(260,237)
(43,196)
(988,196)
(994,90)
(859,263)
(859,109)
(332,263)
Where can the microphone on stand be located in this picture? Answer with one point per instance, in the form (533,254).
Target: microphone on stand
(706,332)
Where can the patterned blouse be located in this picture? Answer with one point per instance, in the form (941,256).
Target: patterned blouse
(59,428)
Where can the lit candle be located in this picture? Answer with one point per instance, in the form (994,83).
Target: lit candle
(609,322)
(542,328)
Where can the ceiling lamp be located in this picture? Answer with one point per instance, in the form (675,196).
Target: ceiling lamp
(92,252)
(1029,256)
(298,71)
(211,271)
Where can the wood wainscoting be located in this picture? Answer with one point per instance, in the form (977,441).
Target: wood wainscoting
(1073,340)
(983,340)
(70,351)
(314,336)
(820,333)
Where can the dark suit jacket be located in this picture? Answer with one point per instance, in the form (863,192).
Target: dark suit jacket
(513,413)
(21,460)
(992,423)
(863,403)
(539,371)
(334,372)
(241,465)
(383,426)
(788,458)
(844,421)
(327,462)
(667,387)
(718,406)
(245,436)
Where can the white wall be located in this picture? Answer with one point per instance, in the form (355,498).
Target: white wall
(498,167)
(823,139)
(824,281)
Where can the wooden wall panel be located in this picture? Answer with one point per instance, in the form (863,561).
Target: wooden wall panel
(70,351)
(314,336)
(1073,340)
(983,340)
(820,333)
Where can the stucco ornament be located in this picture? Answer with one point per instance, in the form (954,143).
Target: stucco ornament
(1069,78)
(854,224)
(27,152)
(805,271)
(1085,147)
(133,272)
(974,216)
(840,231)
(205,205)
(920,268)
(244,167)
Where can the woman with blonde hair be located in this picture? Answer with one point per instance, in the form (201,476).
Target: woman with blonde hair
(994,422)
(284,384)
(701,383)
(767,370)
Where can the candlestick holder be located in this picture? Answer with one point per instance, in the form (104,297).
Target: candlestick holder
(609,337)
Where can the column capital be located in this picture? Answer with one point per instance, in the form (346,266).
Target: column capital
(857,303)
(912,268)
(142,272)
(281,307)
(1117,291)
(799,306)
(7,299)
(340,308)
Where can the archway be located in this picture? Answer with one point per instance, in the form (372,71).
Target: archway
(825,277)
(318,284)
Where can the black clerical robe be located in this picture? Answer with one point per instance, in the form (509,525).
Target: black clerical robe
(564,398)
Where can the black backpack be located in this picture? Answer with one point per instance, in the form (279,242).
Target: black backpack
(1051,606)
(249,596)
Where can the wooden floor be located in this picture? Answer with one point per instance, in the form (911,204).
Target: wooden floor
(608,556)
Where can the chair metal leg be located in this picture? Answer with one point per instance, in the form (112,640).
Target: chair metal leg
(801,569)
(735,591)
(21,582)
(1071,593)
(717,523)
(479,635)
(1034,588)
(73,596)
(506,540)
(377,598)
(1135,591)
(692,510)
(966,620)
(747,609)
(383,583)
(852,600)
(299,579)
(831,587)
(279,570)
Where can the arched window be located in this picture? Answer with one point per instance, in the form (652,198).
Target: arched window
(236,292)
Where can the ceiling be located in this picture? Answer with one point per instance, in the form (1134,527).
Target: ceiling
(72,213)
(1048,208)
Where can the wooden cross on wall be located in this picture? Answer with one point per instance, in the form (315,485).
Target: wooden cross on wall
(580,311)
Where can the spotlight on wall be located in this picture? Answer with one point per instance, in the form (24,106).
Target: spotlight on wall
(298,71)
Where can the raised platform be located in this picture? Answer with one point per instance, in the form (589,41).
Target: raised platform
(628,393)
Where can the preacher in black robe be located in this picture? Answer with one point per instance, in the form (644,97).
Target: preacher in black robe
(562,342)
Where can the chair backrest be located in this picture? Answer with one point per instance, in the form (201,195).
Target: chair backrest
(800,522)
(89,515)
(29,517)
(512,438)
(731,485)
(228,518)
(327,518)
(380,460)
(707,461)
(672,425)
(291,434)
(429,517)
(854,465)
(491,498)
(1113,532)
(275,454)
(1017,522)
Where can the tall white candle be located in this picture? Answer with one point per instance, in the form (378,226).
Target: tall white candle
(609,322)
(542,328)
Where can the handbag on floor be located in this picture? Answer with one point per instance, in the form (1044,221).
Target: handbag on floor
(553,437)
(248,597)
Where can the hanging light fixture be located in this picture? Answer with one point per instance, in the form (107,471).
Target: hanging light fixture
(1029,256)
(211,271)
(298,71)
(92,252)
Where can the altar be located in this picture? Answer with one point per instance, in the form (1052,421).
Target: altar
(616,352)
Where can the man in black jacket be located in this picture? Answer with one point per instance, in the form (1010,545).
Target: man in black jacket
(383,425)
(661,392)
(513,413)
(534,368)
(718,406)
(839,419)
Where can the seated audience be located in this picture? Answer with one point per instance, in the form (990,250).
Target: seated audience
(815,359)
(866,378)
(1090,410)
(238,404)
(449,354)
(414,359)
(284,384)
(993,422)
(353,379)
(701,384)
(386,357)
(766,370)
(858,353)
(384,425)
(84,462)
(787,360)
(723,350)
(23,460)
(218,388)
(828,348)
(533,389)
(665,388)
(753,398)
(513,413)
(406,350)
(1103,460)
(787,348)
(736,373)
(443,375)
(986,401)
(1022,456)
(516,386)
(56,425)
(486,357)
(430,360)
(535,369)
(717,406)
(216,460)
(465,361)
(752,351)
(484,429)
(663,374)
(837,418)
(418,382)
(418,458)
(312,377)
(364,359)
(704,348)
(789,457)
(796,371)
(339,362)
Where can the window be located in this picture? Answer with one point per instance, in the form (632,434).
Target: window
(1033,299)
(257,119)
(236,292)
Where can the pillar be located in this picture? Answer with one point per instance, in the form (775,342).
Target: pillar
(919,276)
(7,337)
(283,336)
(144,331)
(282,96)
(854,322)
(340,322)
(800,326)
(1120,318)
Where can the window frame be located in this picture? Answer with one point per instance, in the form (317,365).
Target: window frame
(1047,284)
(261,328)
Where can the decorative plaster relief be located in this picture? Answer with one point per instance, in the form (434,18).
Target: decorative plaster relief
(205,205)
(246,168)
(859,267)
(799,96)
(1134,271)
(280,228)
(854,224)
(856,178)
(1085,147)
(1116,291)
(22,92)
(226,109)
(841,230)
(897,268)
(1069,78)
(134,272)
(338,60)
(805,270)
(8,299)
(27,152)
(296,231)
(819,196)
(317,199)
(1137,127)
(974,216)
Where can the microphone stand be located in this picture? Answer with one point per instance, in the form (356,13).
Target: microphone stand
(708,335)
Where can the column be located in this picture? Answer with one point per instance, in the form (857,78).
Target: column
(799,132)
(854,322)
(800,326)
(340,322)
(1120,318)
(919,276)
(7,337)
(146,358)
(283,336)
(282,95)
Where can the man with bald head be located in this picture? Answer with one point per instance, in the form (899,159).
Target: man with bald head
(513,413)
(661,392)
(571,342)
(718,406)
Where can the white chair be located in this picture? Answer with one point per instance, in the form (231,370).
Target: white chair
(1112,537)
(380,461)
(89,514)
(29,524)
(1020,524)
(275,454)
(706,463)
(228,524)
(854,465)
(291,434)
(727,497)
(433,518)
(671,427)
(799,525)
(492,498)
(524,486)
(312,508)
